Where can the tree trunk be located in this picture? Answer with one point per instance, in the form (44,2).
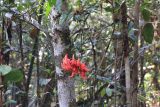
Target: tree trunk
(119,64)
(62,44)
(134,74)
(126,53)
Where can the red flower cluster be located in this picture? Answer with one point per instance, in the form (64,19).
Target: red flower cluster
(74,66)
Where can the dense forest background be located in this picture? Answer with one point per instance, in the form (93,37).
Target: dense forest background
(79,53)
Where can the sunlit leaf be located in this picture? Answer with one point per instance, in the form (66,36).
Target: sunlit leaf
(52,2)
(109,91)
(103,92)
(5,69)
(48,8)
(20,7)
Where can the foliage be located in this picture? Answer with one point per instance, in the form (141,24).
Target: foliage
(4,69)
(96,33)
(148,32)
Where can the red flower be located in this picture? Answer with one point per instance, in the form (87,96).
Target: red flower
(83,75)
(66,63)
(83,67)
(74,66)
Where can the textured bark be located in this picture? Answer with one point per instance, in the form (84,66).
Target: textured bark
(128,82)
(142,73)
(119,64)
(66,95)
(155,78)
(62,45)
(134,74)
(126,53)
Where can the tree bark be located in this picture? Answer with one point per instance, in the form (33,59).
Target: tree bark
(134,74)
(62,44)
(126,53)
(119,64)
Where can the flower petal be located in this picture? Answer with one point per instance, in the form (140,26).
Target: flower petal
(83,75)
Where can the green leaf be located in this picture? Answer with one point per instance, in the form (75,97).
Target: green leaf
(20,7)
(148,32)
(109,92)
(5,69)
(14,76)
(103,92)
(48,8)
(145,5)
(52,2)
(146,14)
(78,3)
(108,9)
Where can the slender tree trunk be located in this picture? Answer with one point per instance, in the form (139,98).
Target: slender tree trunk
(119,64)
(35,54)
(126,53)
(134,75)
(142,72)
(62,44)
